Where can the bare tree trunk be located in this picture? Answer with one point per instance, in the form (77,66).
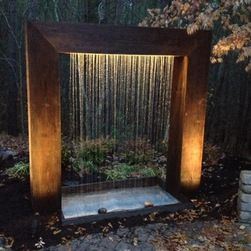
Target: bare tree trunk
(12,115)
(33,10)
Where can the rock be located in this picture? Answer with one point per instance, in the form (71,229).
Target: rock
(202,238)
(244,197)
(245,216)
(147,247)
(6,155)
(148,204)
(122,232)
(245,177)
(162,159)
(107,243)
(122,246)
(102,210)
(141,234)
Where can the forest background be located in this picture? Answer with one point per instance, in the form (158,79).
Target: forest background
(228,123)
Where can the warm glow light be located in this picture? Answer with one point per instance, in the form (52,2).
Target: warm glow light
(44,43)
(191,160)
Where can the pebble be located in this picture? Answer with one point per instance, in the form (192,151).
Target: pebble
(122,246)
(6,155)
(102,210)
(148,203)
(162,159)
(122,232)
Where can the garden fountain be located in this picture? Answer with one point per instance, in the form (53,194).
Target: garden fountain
(190,56)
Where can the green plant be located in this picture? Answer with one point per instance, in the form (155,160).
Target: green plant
(90,166)
(138,151)
(133,158)
(148,172)
(125,171)
(95,150)
(119,172)
(66,155)
(81,166)
(211,154)
(19,170)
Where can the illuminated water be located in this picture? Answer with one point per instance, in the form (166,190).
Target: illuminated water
(120,96)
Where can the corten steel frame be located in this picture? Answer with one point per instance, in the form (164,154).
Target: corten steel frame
(44,42)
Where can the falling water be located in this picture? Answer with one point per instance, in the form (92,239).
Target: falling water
(120,96)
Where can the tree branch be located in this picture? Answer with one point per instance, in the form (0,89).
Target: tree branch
(10,29)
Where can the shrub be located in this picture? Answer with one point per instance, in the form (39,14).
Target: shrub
(66,156)
(148,172)
(20,170)
(211,154)
(84,167)
(119,172)
(139,151)
(95,150)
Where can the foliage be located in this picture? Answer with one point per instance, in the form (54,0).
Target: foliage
(132,157)
(87,156)
(231,18)
(119,172)
(125,171)
(66,156)
(211,154)
(118,160)
(148,172)
(20,171)
(139,151)
(84,167)
(95,150)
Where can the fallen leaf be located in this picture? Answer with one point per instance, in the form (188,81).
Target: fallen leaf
(57,231)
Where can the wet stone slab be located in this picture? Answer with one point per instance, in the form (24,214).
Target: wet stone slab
(87,204)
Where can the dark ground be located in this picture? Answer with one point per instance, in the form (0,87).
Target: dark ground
(214,207)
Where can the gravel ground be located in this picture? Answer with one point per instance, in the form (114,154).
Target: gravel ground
(198,235)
